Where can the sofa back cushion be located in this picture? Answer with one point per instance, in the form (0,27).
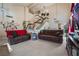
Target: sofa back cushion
(21,32)
(16,32)
(52,32)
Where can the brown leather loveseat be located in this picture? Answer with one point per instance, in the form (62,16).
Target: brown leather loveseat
(51,35)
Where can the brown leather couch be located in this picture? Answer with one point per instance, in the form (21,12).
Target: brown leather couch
(51,35)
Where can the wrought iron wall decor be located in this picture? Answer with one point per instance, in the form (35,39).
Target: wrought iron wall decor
(9,25)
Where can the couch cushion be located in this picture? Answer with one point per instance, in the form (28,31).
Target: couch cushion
(51,35)
(51,38)
(21,32)
(52,32)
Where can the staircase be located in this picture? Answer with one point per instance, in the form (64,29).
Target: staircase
(41,27)
(38,25)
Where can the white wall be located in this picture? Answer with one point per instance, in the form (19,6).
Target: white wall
(59,12)
(18,15)
(28,16)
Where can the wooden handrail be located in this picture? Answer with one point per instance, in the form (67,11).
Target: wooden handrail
(38,21)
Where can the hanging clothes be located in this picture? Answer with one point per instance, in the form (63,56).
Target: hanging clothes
(76,13)
(71,20)
(74,19)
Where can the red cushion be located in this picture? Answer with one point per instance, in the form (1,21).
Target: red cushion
(9,33)
(19,32)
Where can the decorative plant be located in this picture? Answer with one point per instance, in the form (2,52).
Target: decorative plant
(10,25)
(24,24)
(59,24)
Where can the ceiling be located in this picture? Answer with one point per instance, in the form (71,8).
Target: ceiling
(33,7)
(22,4)
(33,4)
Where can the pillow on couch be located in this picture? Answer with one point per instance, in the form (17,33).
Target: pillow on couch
(14,34)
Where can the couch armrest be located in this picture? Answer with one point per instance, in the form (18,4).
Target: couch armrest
(10,36)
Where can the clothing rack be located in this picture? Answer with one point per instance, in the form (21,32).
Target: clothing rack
(71,45)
